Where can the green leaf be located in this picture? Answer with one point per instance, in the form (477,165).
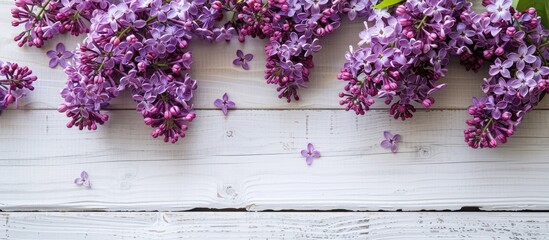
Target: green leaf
(387,3)
(541,9)
(515,3)
(525,4)
(545,17)
(541,6)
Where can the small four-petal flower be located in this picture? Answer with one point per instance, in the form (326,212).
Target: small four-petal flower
(390,141)
(242,60)
(310,153)
(224,104)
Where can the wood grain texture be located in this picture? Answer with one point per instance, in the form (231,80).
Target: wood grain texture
(251,160)
(216,75)
(294,226)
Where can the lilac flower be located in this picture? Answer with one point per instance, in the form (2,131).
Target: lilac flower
(524,82)
(83,180)
(242,60)
(523,55)
(310,154)
(141,46)
(15,81)
(114,13)
(500,10)
(501,68)
(224,104)
(43,19)
(390,141)
(60,56)
(356,6)
(311,48)
(517,80)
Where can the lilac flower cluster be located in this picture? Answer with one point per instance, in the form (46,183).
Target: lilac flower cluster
(139,45)
(514,43)
(406,56)
(408,53)
(14,82)
(293,29)
(44,19)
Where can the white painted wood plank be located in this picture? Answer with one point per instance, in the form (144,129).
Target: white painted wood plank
(216,74)
(251,160)
(227,226)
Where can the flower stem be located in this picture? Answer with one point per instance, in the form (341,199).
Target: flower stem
(128,28)
(39,15)
(487,125)
(422,22)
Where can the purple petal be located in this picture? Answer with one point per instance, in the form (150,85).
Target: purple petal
(239,53)
(304,153)
(249,57)
(387,135)
(309,160)
(316,154)
(493,71)
(78,181)
(62,63)
(225,97)
(87,184)
(84,175)
(310,147)
(496,114)
(394,148)
(245,66)
(224,110)
(396,138)
(523,91)
(230,104)
(60,47)
(218,103)
(53,62)
(385,144)
(51,54)
(237,62)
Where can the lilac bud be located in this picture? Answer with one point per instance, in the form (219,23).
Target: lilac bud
(499,51)
(62,108)
(506,116)
(148,121)
(167,114)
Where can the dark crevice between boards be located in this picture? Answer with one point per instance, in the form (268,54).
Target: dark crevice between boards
(242,210)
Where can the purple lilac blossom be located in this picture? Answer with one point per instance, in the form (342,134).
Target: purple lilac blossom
(293,27)
(224,104)
(128,48)
(83,180)
(15,82)
(406,56)
(310,154)
(403,66)
(140,45)
(513,43)
(44,19)
(243,59)
(390,141)
(60,56)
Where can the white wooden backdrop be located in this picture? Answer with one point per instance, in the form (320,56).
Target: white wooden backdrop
(235,168)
